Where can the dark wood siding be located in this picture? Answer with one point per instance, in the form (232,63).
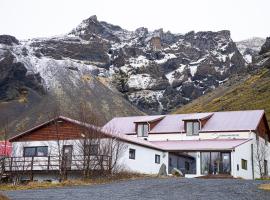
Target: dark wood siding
(263,128)
(66,130)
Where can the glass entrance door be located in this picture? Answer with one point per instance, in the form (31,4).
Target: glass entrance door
(215,163)
(225,167)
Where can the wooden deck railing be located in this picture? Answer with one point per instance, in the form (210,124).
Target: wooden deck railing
(78,162)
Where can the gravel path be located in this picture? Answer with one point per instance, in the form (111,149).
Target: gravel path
(167,189)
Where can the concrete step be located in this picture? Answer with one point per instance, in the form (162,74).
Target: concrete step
(217,176)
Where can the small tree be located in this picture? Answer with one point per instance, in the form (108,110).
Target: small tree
(101,150)
(113,147)
(60,142)
(261,153)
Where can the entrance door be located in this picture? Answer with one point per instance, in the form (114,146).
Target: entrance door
(225,163)
(67,156)
(215,163)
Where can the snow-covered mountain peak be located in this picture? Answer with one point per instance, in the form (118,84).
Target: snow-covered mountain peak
(154,70)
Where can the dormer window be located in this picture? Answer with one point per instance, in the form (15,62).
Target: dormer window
(142,129)
(192,127)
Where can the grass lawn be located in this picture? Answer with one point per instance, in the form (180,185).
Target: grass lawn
(43,185)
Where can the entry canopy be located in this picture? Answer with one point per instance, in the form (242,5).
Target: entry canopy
(200,145)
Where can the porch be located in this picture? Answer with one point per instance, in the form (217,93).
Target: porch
(30,166)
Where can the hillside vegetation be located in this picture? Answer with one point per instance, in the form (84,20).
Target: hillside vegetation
(253,93)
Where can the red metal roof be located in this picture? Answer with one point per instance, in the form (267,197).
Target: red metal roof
(217,122)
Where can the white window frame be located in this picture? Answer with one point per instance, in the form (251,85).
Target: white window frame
(142,129)
(192,127)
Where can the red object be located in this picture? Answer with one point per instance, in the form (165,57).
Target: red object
(5,148)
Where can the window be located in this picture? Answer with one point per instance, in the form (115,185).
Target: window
(157,159)
(35,151)
(142,130)
(91,149)
(187,166)
(266,139)
(132,153)
(170,162)
(244,164)
(192,128)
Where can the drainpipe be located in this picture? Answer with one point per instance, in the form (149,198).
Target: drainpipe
(252,158)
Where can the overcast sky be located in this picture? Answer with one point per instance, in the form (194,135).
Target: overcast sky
(41,18)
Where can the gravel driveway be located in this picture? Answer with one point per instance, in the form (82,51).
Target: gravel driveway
(167,189)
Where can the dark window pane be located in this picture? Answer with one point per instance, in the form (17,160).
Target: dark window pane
(29,151)
(142,130)
(189,128)
(196,128)
(157,159)
(244,164)
(42,151)
(131,153)
(205,162)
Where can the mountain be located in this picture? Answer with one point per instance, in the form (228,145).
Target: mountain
(118,72)
(32,84)
(250,47)
(241,93)
(158,70)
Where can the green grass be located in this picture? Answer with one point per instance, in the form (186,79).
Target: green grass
(253,93)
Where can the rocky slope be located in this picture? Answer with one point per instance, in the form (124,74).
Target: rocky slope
(250,47)
(249,92)
(154,70)
(157,70)
(31,84)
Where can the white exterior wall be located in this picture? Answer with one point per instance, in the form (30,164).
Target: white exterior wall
(17,147)
(144,160)
(256,167)
(145,157)
(214,135)
(242,152)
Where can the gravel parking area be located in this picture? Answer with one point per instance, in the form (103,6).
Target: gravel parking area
(167,189)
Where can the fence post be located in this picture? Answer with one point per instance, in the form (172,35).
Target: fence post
(10,166)
(32,165)
(48,167)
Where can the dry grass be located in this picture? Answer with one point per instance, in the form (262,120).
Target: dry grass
(92,181)
(265,187)
(3,197)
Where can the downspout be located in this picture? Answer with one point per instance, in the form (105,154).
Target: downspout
(252,158)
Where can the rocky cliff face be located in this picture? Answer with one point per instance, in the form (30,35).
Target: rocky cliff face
(158,70)
(250,47)
(154,70)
